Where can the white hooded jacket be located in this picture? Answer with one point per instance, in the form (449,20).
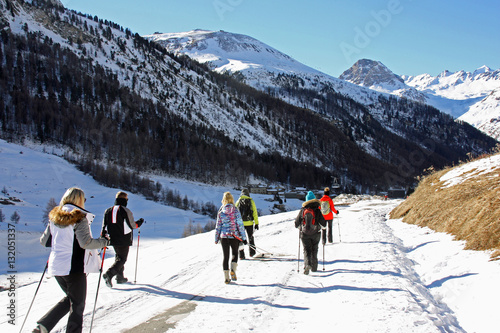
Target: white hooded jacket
(68,234)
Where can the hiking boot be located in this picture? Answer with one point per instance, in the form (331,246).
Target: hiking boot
(227,280)
(107,279)
(234,265)
(121,279)
(306,269)
(40,329)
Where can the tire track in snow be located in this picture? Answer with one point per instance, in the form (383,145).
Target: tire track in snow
(418,294)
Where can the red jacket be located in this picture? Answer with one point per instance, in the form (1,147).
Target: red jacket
(329,216)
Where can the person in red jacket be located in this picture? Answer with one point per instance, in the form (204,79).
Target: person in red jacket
(327,209)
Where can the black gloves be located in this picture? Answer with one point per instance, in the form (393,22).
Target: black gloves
(139,222)
(338,212)
(245,242)
(106,237)
(256,227)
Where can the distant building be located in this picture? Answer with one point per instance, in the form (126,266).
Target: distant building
(396,193)
(257,189)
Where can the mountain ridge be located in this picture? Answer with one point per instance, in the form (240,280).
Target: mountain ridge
(456,93)
(119,101)
(290,80)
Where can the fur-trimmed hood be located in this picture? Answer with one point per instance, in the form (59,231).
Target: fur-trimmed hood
(314,203)
(62,217)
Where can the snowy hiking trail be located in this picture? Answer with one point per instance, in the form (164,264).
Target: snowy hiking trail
(369,284)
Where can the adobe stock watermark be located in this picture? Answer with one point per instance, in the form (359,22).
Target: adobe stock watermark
(223,6)
(373,28)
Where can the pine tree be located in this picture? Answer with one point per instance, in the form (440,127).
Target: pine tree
(15,217)
(50,205)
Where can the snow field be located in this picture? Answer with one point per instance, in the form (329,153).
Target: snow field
(384,276)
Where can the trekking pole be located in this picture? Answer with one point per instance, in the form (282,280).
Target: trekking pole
(338,225)
(323,256)
(137,256)
(298,256)
(97,292)
(258,248)
(33,300)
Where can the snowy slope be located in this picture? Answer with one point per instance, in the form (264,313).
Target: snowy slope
(471,97)
(260,64)
(457,85)
(379,275)
(156,78)
(485,114)
(266,68)
(468,96)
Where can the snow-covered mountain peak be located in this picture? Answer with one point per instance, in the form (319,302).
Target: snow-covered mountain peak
(225,51)
(481,70)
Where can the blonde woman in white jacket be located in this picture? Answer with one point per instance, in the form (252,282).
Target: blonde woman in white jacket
(68,234)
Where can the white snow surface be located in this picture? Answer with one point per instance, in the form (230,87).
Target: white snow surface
(470,170)
(379,275)
(485,115)
(471,97)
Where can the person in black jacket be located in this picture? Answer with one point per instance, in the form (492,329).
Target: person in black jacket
(118,223)
(310,233)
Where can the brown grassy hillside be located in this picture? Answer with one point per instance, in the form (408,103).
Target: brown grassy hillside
(468,209)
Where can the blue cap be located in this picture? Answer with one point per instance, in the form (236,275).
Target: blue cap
(310,196)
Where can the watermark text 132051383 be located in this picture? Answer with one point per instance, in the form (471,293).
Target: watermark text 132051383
(11,273)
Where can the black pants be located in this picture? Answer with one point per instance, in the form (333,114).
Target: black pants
(229,244)
(251,242)
(75,288)
(310,244)
(121,255)
(329,230)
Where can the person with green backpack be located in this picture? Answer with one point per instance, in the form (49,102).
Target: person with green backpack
(327,209)
(250,217)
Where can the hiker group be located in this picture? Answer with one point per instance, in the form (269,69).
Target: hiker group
(314,220)
(74,253)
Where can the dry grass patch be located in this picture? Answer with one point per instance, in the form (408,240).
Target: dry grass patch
(469,210)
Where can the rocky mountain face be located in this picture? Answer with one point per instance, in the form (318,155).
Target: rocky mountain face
(376,76)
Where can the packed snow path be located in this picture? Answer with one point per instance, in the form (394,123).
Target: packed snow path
(369,284)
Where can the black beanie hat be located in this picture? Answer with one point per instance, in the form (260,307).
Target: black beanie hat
(121,202)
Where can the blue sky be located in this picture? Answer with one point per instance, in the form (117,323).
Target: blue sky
(410,37)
